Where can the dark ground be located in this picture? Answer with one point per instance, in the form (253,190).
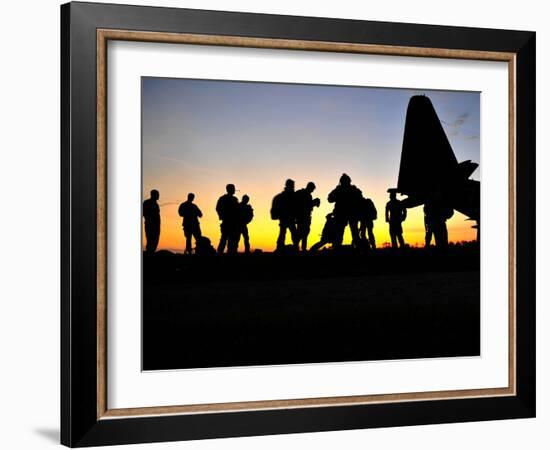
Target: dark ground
(271,309)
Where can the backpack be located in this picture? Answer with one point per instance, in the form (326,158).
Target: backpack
(248,214)
(276,206)
(370,209)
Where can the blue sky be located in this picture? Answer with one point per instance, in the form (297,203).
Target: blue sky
(198,135)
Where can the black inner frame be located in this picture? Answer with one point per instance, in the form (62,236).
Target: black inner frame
(79,423)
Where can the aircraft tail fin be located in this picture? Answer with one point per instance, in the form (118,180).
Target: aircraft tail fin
(427,160)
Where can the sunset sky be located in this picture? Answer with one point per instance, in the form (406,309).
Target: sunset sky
(199,135)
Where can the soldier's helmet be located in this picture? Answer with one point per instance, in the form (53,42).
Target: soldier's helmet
(230,188)
(289,184)
(245,199)
(345,180)
(310,187)
(155,194)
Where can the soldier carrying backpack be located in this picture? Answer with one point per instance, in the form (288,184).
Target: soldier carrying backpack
(246,214)
(283,209)
(367,216)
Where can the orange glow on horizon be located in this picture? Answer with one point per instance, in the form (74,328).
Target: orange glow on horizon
(200,135)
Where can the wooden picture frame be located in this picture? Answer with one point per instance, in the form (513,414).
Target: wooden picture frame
(86,418)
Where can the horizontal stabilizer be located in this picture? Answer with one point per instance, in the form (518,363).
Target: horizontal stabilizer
(467,168)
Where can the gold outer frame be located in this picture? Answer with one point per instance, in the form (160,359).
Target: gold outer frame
(103,36)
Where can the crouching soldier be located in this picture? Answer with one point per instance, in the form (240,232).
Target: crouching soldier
(204,247)
(329,235)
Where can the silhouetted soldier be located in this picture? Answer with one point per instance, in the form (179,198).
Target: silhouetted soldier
(191,226)
(283,209)
(436,214)
(227,208)
(396,213)
(346,198)
(151,214)
(328,235)
(304,206)
(246,214)
(368,215)
(204,247)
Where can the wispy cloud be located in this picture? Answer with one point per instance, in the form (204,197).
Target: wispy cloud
(459,121)
(168,204)
(189,166)
(473,137)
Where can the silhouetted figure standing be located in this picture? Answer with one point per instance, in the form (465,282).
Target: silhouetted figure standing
(191,226)
(436,214)
(396,213)
(346,198)
(283,209)
(246,214)
(328,235)
(367,216)
(227,208)
(304,207)
(151,214)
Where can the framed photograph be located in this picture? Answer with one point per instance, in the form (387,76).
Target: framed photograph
(276,224)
